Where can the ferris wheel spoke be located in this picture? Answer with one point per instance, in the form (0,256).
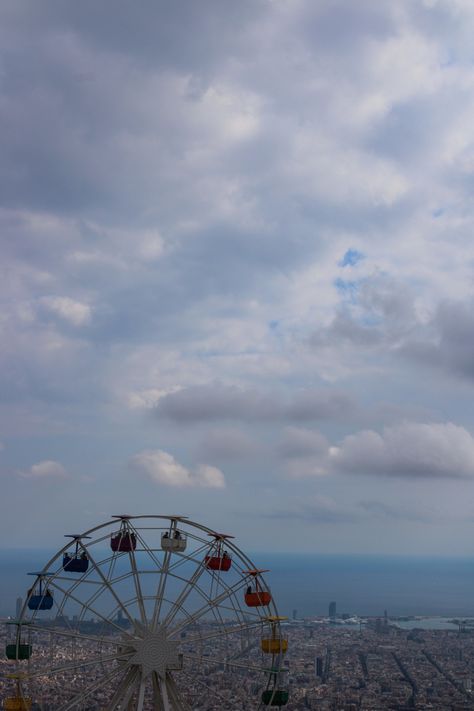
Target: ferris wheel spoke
(99,684)
(88,607)
(124,690)
(188,588)
(161,589)
(225,662)
(138,588)
(224,631)
(78,664)
(106,582)
(211,603)
(74,635)
(186,558)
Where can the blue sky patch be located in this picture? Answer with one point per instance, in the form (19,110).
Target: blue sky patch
(347,289)
(351,257)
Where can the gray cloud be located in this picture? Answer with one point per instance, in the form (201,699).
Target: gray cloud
(317,509)
(297,442)
(402,511)
(409,450)
(227,444)
(223,402)
(449,340)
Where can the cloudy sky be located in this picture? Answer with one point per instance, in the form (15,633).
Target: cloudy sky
(237,269)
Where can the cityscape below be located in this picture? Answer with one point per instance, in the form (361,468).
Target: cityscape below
(341,662)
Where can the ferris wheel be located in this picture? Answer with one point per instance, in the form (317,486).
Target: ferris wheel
(147,612)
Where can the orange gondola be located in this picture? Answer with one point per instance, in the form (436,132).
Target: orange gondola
(255,596)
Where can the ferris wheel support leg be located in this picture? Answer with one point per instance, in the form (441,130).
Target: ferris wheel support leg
(157,700)
(123,691)
(164,694)
(141,694)
(177,703)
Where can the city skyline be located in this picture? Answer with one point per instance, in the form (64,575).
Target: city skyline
(238,271)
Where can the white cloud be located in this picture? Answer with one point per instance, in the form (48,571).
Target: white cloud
(211,477)
(147,399)
(75,312)
(47,469)
(162,468)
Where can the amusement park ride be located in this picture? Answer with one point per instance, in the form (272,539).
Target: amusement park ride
(146,612)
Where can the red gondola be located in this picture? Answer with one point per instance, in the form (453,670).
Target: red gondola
(216,562)
(218,558)
(123,541)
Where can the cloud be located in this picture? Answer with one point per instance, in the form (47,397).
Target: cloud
(162,468)
(75,312)
(327,510)
(222,402)
(304,452)
(211,477)
(447,340)
(409,450)
(402,511)
(228,443)
(47,469)
(297,442)
(215,402)
(316,509)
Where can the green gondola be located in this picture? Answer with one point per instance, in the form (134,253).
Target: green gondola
(275,697)
(18,651)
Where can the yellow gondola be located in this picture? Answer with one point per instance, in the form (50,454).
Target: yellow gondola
(18,702)
(275,644)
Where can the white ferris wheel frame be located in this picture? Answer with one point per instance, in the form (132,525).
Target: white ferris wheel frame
(219,599)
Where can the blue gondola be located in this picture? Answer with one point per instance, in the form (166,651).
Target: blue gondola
(78,561)
(75,564)
(40,598)
(41,602)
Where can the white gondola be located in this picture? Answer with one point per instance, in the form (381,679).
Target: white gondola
(176,542)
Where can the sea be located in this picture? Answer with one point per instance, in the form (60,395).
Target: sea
(303,585)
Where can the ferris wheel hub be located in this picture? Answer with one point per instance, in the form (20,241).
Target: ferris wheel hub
(154,652)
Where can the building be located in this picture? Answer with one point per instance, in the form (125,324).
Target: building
(332,610)
(318,666)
